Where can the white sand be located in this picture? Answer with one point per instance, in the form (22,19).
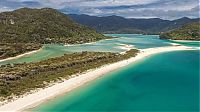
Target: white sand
(21,55)
(185,40)
(126,47)
(175,44)
(80,44)
(43,95)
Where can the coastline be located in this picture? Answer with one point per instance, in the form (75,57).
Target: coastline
(185,40)
(67,85)
(79,44)
(21,55)
(88,43)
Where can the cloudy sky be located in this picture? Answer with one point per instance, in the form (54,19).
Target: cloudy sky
(165,9)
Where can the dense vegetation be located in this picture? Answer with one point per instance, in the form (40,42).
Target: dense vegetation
(117,24)
(13,49)
(17,79)
(43,26)
(187,32)
(39,26)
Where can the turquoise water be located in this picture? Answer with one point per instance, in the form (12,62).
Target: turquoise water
(111,45)
(163,82)
(140,41)
(189,43)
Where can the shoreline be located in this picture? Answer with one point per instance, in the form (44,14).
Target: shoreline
(88,43)
(125,47)
(66,45)
(21,55)
(185,40)
(44,95)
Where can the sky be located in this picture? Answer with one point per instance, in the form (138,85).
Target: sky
(164,9)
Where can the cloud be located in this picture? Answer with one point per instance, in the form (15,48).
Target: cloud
(159,13)
(166,9)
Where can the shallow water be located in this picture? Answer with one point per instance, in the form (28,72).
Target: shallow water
(111,45)
(186,43)
(163,82)
(140,41)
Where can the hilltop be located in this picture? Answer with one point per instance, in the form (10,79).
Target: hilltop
(44,25)
(187,32)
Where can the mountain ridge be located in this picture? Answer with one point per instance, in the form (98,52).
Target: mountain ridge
(116,24)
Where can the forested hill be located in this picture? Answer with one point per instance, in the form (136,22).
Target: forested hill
(43,26)
(25,30)
(187,32)
(117,24)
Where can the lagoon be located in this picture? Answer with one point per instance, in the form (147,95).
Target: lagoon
(112,45)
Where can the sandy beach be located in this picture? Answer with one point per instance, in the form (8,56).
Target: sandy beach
(88,43)
(125,47)
(185,41)
(79,44)
(21,55)
(43,95)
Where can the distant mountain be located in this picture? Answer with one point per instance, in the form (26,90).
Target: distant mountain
(43,26)
(117,24)
(187,32)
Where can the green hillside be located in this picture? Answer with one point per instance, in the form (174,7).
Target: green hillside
(187,32)
(43,26)
(40,26)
